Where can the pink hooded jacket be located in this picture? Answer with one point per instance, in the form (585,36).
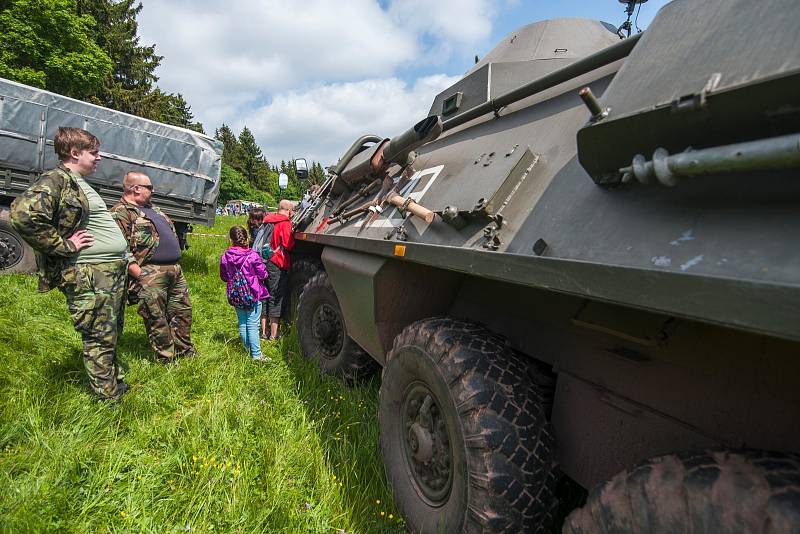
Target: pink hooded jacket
(252,266)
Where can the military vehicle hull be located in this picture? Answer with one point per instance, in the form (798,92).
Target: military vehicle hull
(560,321)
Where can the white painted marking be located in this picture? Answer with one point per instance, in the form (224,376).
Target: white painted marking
(686,236)
(691,263)
(661,261)
(394,218)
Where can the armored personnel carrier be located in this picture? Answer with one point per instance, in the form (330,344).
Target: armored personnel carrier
(183,165)
(580,275)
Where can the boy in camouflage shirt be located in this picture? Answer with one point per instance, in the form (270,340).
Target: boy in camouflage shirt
(80,251)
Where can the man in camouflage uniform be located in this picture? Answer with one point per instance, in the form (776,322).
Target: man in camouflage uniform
(81,251)
(156,277)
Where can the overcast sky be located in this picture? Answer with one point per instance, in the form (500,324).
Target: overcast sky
(309,77)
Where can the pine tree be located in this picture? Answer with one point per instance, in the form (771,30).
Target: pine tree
(132,80)
(316,175)
(130,87)
(232,152)
(251,154)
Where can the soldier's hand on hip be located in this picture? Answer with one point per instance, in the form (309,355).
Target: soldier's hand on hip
(81,239)
(134,270)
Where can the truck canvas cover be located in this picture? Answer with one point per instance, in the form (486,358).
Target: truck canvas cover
(184,165)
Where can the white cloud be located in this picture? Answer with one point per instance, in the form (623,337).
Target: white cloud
(327,63)
(322,122)
(455,22)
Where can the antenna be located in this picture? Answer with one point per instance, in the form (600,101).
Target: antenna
(630,7)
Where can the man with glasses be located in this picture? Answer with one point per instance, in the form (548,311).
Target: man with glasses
(156,280)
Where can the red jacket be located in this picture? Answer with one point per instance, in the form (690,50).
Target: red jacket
(282,239)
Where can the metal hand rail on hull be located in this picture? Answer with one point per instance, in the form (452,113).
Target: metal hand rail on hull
(578,68)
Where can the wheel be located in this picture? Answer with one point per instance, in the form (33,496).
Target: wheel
(465,441)
(709,491)
(322,333)
(16,256)
(301,273)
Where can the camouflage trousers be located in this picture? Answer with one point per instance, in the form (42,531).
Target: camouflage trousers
(167,311)
(96,301)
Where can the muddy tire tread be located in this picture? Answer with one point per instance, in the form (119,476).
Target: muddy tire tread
(508,439)
(706,491)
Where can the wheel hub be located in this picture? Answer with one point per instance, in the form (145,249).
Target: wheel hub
(10,250)
(328,330)
(421,443)
(427,444)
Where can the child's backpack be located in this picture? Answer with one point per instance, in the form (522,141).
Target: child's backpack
(265,246)
(239,293)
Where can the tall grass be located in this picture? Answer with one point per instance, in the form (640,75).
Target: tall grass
(215,443)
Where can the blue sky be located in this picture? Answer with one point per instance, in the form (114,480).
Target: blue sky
(309,77)
(511,15)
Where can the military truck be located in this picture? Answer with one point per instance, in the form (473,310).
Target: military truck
(580,275)
(183,165)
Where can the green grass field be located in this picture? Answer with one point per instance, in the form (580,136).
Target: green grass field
(215,443)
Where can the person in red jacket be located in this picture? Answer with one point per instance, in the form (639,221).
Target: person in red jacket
(278,265)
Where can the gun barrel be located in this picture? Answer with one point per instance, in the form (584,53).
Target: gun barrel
(423,132)
(391,151)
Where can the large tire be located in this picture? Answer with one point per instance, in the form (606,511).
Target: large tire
(302,271)
(465,441)
(712,492)
(16,256)
(323,336)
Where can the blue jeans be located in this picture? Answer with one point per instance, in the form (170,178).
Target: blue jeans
(250,329)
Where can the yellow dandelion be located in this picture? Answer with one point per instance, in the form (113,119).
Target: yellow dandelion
(383,513)
(334,477)
(391,516)
(378,501)
(194,458)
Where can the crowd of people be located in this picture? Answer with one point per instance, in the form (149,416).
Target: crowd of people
(101,259)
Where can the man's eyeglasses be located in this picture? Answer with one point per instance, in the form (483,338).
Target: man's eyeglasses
(149,187)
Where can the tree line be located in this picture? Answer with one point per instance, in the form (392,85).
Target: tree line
(248,175)
(90,50)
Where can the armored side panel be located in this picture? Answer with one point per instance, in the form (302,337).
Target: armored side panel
(183,165)
(685,87)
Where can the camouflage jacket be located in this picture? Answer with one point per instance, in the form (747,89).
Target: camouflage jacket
(45,215)
(139,231)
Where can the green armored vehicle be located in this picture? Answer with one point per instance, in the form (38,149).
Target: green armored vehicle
(581,278)
(183,165)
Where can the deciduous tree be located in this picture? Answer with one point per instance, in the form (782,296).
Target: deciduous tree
(45,43)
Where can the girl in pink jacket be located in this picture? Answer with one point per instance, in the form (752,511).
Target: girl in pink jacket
(244,272)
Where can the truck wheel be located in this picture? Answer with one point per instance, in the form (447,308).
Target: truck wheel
(708,491)
(322,332)
(465,441)
(16,256)
(302,271)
